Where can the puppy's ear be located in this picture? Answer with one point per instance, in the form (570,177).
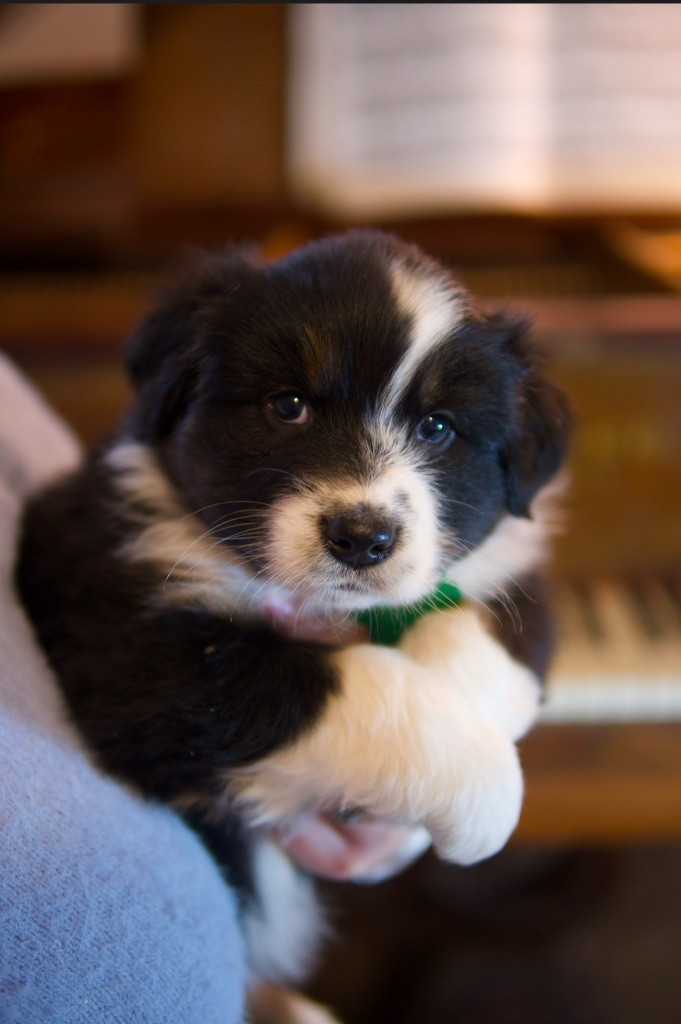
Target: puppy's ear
(163,356)
(538,443)
(162,360)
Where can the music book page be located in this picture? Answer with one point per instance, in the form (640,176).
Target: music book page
(400,108)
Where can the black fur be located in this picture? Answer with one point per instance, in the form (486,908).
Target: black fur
(524,624)
(173,697)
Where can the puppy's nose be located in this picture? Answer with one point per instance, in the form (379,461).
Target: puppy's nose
(359,540)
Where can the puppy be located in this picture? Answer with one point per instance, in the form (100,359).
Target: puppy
(336,432)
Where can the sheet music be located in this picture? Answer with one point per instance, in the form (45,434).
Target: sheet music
(406,107)
(616,103)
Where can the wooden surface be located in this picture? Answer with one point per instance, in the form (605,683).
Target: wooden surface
(602,783)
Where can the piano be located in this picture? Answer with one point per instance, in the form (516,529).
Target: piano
(619,652)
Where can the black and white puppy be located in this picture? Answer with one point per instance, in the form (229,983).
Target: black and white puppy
(333,432)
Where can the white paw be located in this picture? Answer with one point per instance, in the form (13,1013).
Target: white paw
(455,645)
(405,746)
(485,800)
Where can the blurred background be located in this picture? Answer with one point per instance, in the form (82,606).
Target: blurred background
(535,148)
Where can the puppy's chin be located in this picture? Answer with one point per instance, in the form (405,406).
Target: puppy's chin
(314,576)
(327,586)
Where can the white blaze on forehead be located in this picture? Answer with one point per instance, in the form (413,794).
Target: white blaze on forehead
(435,307)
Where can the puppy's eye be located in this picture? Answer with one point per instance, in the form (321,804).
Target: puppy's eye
(289,408)
(436,429)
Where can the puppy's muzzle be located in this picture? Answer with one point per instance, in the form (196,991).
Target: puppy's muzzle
(359,538)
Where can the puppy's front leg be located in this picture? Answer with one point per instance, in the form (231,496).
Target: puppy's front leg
(400,742)
(457,646)
(497,655)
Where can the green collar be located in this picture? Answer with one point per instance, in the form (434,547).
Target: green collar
(386,625)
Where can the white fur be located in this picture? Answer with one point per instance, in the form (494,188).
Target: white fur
(516,546)
(284,932)
(454,644)
(194,569)
(435,307)
(403,743)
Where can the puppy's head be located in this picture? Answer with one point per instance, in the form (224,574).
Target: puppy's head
(344,419)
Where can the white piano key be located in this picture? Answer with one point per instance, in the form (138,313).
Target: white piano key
(619,655)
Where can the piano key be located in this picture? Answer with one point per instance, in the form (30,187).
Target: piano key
(619,653)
